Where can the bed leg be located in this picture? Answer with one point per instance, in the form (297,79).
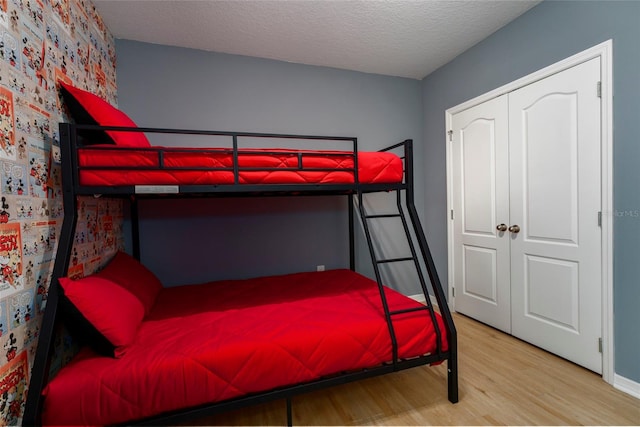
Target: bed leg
(289,412)
(452,378)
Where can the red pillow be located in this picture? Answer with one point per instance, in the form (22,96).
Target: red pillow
(89,109)
(127,272)
(111,310)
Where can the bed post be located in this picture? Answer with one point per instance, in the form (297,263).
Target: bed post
(356,182)
(452,362)
(39,372)
(352,244)
(289,412)
(135,226)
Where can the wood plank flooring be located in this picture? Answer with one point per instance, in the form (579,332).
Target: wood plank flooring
(503,381)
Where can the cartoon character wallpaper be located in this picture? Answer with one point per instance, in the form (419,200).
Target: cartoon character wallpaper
(13,387)
(43,42)
(7,125)
(10,256)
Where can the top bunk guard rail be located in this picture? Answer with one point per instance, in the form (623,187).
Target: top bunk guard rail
(71,141)
(70,134)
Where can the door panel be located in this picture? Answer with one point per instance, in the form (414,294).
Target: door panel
(548,276)
(550,169)
(480,203)
(554,143)
(480,273)
(477,142)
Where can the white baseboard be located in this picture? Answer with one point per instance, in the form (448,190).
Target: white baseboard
(421,299)
(626,385)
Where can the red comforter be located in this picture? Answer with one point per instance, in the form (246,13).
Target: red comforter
(188,166)
(216,341)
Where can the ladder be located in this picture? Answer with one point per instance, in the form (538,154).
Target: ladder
(377,262)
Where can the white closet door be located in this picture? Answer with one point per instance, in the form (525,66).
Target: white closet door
(481,192)
(554,143)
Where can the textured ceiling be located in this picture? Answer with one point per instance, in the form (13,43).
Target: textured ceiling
(393,37)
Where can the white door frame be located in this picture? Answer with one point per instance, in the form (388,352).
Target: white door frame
(604,51)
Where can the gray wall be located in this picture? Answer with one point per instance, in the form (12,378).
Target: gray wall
(172,87)
(161,86)
(546,34)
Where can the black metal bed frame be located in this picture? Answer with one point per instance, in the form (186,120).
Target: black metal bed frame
(70,141)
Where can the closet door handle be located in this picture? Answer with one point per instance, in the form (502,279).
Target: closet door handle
(501,227)
(514,229)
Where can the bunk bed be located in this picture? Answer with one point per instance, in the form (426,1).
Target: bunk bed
(244,341)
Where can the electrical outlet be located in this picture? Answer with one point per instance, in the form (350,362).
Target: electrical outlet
(320,268)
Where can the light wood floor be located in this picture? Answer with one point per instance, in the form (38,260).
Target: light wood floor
(503,381)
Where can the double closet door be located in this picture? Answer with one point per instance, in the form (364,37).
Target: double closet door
(526,206)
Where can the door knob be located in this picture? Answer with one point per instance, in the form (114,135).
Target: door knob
(514,229)
(501,227)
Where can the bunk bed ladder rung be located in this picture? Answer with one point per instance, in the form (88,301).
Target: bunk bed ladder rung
(383,216)
(409,310)
(392,260)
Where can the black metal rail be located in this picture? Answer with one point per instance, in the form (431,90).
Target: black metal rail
(70,143)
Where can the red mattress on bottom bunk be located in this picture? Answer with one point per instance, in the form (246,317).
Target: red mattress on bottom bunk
(220,340)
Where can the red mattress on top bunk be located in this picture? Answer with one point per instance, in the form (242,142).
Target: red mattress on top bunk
(108,166)
(220,340)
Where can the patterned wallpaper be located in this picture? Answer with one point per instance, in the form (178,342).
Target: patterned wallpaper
(41,42)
